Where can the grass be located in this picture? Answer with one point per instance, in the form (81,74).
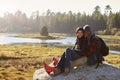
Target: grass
(57,35)
(110,37)
(113,59)
(18,62)
(38,36)
(114,46)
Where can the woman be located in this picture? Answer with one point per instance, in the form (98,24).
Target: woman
(70,55)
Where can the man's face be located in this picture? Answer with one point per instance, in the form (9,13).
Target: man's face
(86,33)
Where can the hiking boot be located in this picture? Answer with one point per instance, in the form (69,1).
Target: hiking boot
(56,71)
(66,71)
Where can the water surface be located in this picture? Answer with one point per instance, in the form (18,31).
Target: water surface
(11,39)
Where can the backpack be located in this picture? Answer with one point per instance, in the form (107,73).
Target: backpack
(104,50)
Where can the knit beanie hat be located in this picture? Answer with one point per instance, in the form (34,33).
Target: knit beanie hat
(78,28)
(86,28)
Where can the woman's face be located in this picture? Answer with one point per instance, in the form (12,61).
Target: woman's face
(79,34)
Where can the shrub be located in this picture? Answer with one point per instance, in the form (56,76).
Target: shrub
(107,32)
(44,31)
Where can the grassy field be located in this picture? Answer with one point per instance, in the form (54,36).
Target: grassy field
(19,62)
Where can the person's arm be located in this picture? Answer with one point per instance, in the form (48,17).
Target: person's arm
(92,47)
(74,46)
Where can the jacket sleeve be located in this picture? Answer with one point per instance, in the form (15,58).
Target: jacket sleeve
(92,47)
(74,46)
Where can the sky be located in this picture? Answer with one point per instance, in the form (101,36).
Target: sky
(29,6)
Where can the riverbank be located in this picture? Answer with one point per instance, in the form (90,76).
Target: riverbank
(110,37)
(20,61)
(55,39)
(112,41)
(57,35)
(38,36)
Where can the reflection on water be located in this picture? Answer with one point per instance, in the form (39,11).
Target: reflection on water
(10,39)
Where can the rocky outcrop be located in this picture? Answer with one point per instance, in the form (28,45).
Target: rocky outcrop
(103,72)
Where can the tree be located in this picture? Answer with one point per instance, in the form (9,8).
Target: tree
(96,12)
(107,9)
(97,8)
(116,20)
(107,12)
(97,19)
(59,22)
(44,31)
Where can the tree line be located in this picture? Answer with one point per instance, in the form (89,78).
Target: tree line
(59,22)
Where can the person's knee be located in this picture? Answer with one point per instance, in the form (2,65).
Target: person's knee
(68,50)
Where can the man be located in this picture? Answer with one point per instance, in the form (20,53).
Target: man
(93,46)
(92,49)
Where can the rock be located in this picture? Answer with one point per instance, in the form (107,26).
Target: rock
(103,72)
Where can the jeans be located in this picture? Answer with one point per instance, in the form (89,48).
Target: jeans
(67,56)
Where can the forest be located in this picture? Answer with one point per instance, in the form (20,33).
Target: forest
(59,22)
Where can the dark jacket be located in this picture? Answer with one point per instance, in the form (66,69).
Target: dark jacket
(80,46)
(92,50)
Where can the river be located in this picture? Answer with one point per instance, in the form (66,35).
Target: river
(10,39)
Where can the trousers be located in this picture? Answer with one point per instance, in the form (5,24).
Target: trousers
(66,58)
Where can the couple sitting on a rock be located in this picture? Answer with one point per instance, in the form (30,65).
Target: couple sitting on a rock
(83,52)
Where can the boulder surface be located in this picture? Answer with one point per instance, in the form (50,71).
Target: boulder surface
(103,72)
